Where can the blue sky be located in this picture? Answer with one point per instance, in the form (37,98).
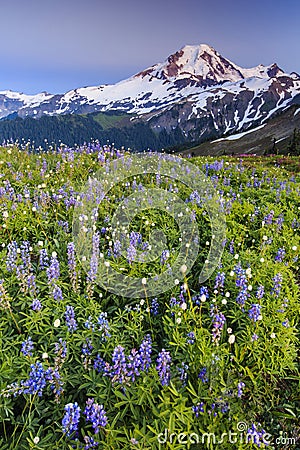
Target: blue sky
(59,45)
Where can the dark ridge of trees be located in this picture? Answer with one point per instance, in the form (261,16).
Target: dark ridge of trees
(294,143)
(75,129)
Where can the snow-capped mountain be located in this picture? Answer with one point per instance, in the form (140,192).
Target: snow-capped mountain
(195,89)
(205,66)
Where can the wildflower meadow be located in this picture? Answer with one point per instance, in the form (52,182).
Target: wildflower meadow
(175,326)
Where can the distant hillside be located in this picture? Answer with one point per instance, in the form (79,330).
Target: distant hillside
(74,129)
(271,137)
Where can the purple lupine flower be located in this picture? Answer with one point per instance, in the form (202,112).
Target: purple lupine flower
(27,347)
(219,281)
(195,197)
(87,347)
(57,293)
(196,299)
(277,280)
(53,271)
(164,256)
(223,406)
(154,307)
(163,367)
(36,305)
(64,225)
(280,255)
(31,285)
(131,254)
(191,337)
(133,364)
(260,292)
(72,264)
(25,257)
(218,323)
(135,238)
(256,436)
(279,222)
(145,245)
(44,166)
(36,381)
(219,404)
(182,295)
(119,369)
(11,257)
(55,381)
(134,185)
(104,326)
(197,409)
(91,275)
(89,324)
(255,312)
(231,247)
(285,303)
(269,218)
(96,414)
(242,283)
(254,337)
(70,319)
(117,250)
(90,442)
(202,296)
(100,365)
(240,387)
(61,349)
(43,259)
(174,302)
(241,279)
(71,418)
(145,351)
(203,375)
(183,371)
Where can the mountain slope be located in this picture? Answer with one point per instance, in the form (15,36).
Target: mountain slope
(270,137)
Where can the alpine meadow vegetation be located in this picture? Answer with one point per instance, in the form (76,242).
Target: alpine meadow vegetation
(203,365)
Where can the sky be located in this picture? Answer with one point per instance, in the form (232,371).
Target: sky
(59,45)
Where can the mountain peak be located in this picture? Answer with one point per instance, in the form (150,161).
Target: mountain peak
(201,64)
(204,66)
(200,48)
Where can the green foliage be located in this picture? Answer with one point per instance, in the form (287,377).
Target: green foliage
(144,414)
